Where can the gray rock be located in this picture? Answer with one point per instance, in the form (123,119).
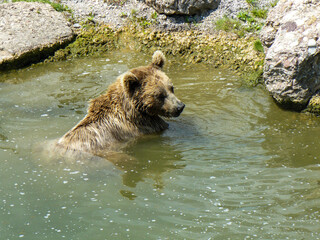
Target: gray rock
(117,13)
(76,25)
(30,32)
(291,38)
(184,7)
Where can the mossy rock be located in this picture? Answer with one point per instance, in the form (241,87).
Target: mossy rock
(314,104)
(219,50)
(90,41)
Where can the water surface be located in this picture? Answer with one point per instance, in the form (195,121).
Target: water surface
(232,166)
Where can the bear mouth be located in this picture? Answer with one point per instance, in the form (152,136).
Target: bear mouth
(176,113)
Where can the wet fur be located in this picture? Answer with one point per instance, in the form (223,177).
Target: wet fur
(130,108)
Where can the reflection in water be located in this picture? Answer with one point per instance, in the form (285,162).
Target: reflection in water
(152,157)
(3,137)
(147,157)
(5,142)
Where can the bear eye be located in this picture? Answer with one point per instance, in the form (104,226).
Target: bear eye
(162,96)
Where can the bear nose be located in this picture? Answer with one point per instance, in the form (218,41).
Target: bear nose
(181,107)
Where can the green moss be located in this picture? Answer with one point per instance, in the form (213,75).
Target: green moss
(252,79)
(314,105)
(245,23)
(154,15)
(143,21)
(228,24)
(245,17)
(257,45)
(221,50)
(274,3)
(260,13)
(252,3)
(91,41)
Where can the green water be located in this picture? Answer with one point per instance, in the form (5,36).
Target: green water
(232,166)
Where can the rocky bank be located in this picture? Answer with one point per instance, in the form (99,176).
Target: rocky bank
(35,30)
(291,38)
(30,32)
(187,29)
(170,14)
(170,26)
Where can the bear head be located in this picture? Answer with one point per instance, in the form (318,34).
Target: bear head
(150,89)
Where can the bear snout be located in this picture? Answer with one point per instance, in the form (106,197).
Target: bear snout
(179,109)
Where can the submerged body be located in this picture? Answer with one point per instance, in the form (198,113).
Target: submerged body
(131,107)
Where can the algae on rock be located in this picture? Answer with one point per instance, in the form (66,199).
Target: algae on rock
(223,49)
(219,50)
(314,104)
(92,40)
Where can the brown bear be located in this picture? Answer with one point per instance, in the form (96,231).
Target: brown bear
(131,107)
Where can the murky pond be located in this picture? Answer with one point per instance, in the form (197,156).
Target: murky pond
(232,166)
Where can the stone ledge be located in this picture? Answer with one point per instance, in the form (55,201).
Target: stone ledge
(30,32)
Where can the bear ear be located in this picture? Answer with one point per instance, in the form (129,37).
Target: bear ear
(158,59)
(130,83)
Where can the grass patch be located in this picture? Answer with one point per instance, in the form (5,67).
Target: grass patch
(57,6)
(257,45)
(252,3)
(246,22)
(274,3)
(143,22)
(154,15)
(228,24)
(251,23)
(259,13)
